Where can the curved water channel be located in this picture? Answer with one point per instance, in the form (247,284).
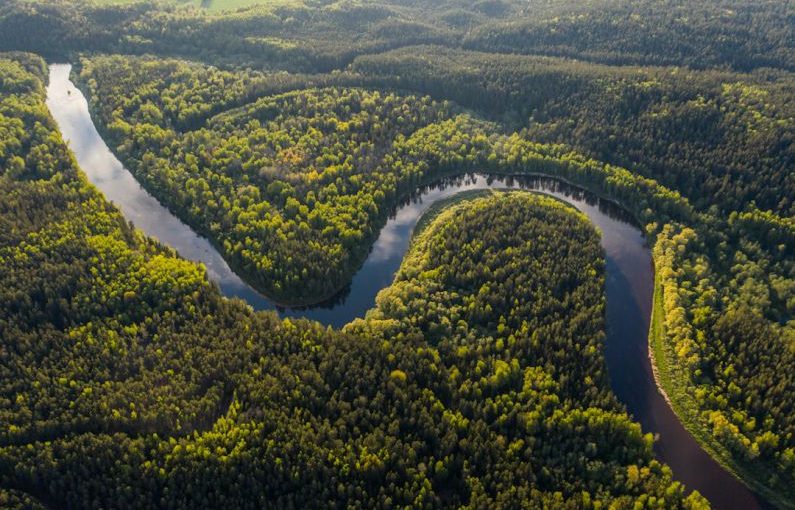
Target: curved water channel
(629,279)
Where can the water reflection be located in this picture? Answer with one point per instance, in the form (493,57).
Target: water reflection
(388,251)
(628,287)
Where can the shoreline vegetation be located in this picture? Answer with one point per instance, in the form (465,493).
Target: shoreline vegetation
(667,380)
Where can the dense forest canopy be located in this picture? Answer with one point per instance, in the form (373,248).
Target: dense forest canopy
(188,400)
(287,132)
(324,35)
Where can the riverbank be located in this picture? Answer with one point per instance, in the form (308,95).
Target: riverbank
(673,386)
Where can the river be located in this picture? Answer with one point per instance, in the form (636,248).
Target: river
(629,279)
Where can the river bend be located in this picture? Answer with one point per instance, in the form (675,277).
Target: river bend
(629,279)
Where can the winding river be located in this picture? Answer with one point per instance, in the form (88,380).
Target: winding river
(629,282)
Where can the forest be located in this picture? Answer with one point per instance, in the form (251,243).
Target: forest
(719,137)
(287,134)
(322,35)
(189,400)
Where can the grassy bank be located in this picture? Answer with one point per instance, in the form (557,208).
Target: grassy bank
(673,383)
